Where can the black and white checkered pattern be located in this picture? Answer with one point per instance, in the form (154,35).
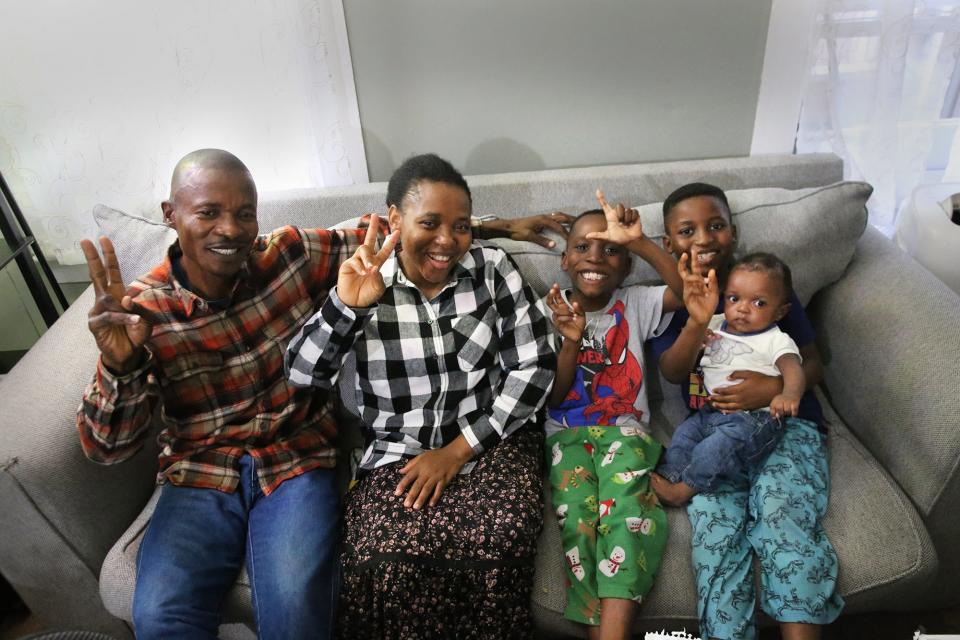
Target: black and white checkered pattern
(475,360)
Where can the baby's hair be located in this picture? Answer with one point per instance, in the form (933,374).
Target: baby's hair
(696,190)
(769,264)
(428,167)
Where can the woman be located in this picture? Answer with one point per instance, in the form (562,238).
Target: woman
(452,364)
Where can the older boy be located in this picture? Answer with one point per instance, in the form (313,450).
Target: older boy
(778,516)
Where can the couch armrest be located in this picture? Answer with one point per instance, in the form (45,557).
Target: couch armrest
(83,505)
(889,335)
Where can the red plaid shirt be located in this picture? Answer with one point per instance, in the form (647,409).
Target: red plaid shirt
(219,374)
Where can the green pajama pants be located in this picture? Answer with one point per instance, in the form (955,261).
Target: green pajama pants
(612,526)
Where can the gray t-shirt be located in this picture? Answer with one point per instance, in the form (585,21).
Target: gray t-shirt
(609,387)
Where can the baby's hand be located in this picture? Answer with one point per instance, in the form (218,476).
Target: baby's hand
(569,322)
(783,405)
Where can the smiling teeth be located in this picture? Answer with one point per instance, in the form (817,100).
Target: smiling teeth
(438,258)
(706,256)
(224,252)
(593,275)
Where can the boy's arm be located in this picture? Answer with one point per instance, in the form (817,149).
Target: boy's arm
(529,229)
(700,297)
(787,403)
(665,266)
(566,371)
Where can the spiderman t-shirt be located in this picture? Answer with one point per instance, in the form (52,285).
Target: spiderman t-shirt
(609,386)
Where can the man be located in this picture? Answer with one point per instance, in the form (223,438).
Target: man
(246,460)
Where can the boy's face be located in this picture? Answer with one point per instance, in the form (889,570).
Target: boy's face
(435,232)
(215,215)
(701,225)
(596,268)
(753,300)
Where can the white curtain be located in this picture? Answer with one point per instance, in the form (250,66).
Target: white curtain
(100,99)
(882,93)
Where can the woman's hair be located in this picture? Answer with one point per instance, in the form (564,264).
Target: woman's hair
(769,264)
(428,167)
(695,190)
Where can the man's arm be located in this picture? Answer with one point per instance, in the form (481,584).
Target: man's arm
(529,229)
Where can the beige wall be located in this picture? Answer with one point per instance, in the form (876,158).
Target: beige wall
(500,85)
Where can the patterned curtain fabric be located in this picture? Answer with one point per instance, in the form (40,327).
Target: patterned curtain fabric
(882,92)
(99,100)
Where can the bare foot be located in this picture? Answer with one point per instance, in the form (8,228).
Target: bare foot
(675,494)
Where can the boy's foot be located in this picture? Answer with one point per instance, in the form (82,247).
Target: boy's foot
(675,494)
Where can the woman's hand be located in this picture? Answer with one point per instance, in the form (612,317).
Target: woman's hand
(569,321)
(754,391)
(623,225)
(426,476)
(359,283)
(700,295)
(119,326)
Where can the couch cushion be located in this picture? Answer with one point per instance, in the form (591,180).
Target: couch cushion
(815,231)
(883,547)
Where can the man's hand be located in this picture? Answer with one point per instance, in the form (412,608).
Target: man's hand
(623,225)
(426,476)
(569,321)
(359,282)
(784,405)
(754,391)
(700,295)
(529,229)
(117,323)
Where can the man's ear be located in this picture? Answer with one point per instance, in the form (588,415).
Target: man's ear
(167,207)
(393,217)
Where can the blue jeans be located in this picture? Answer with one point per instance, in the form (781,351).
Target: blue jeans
(196,543)
(710,448)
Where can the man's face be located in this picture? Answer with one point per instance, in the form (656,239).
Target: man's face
(215,214)
(435,232)
(702,226)
(596,267)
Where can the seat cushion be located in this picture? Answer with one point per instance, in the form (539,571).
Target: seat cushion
(885,552)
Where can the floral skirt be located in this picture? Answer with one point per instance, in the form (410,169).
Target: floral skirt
(462,569)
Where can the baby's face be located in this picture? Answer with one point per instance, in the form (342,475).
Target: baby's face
(753,300)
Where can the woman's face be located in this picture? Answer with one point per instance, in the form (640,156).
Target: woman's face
(435,232)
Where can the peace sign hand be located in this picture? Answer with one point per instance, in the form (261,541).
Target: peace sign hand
(359,282)
(570,322)
(623,225)
(700,295)
(117,323)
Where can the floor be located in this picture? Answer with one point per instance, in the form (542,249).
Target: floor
(899,626)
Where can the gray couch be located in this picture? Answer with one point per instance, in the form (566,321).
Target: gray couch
(888,330)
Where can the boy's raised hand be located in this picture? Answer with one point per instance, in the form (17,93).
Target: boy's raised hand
(570,322)
(118,324)
(359,282)
(700,295)
(623,225)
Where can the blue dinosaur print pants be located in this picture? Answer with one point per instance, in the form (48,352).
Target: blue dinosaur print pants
(778,519)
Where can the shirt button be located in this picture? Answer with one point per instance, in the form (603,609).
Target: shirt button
(430,322)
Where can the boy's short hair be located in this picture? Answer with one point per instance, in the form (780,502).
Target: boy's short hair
(769,264)
(695,190)
(590,212)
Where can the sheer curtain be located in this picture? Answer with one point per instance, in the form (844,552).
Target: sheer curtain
(99,100)
(882,93)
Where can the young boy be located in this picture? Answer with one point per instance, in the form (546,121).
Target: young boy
(598,443)
(778,517)
(712,447)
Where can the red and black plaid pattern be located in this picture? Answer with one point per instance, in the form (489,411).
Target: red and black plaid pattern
(219,374)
